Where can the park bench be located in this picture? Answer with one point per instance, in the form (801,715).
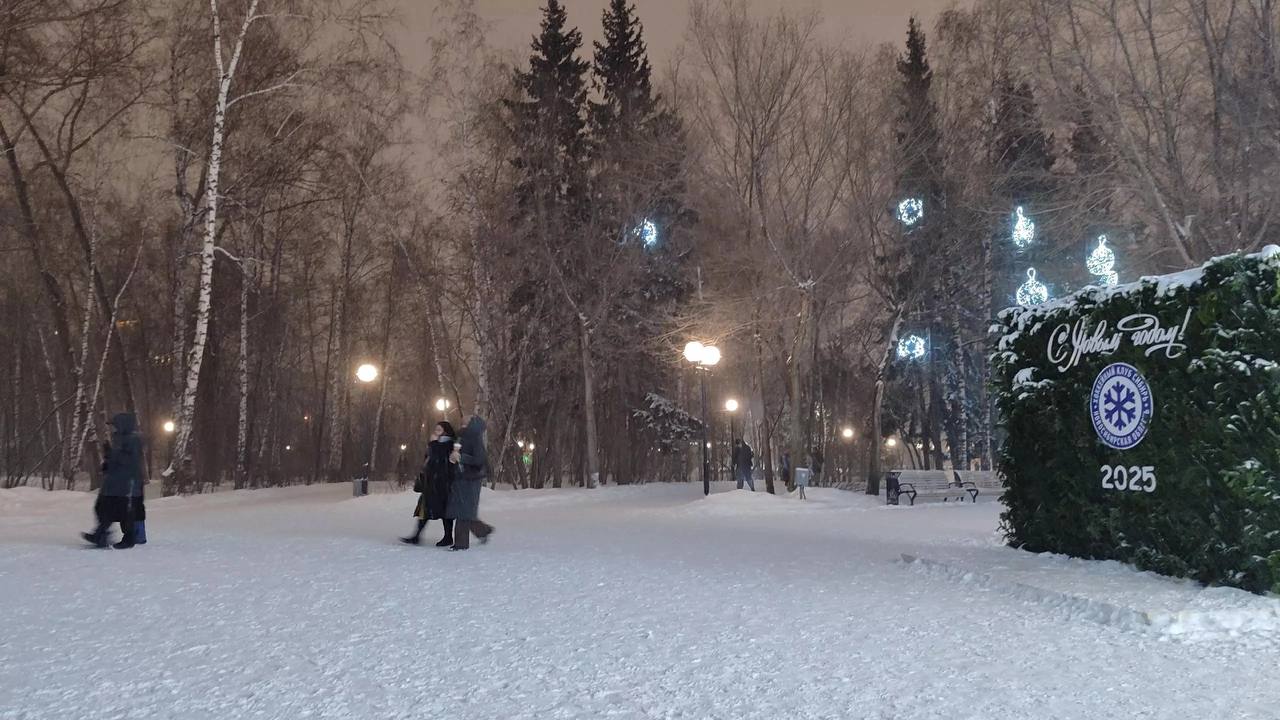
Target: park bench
(922,483)
(975,481)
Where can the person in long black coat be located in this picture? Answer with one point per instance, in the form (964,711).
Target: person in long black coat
(434,484)
(121,478)
(464,498)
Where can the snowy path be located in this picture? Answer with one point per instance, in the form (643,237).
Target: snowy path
(620,603)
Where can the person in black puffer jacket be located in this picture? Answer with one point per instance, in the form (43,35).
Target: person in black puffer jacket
(121,479)
(434,483)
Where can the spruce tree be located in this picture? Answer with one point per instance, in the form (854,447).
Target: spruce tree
(548,122)
(1022,152)
(623,75)
(919,139)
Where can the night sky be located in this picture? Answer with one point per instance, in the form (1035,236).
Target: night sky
(862,23)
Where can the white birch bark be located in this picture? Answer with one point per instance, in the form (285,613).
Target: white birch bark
(226,73)
(242,425)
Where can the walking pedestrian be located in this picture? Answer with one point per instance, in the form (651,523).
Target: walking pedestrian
(464,496)
(122,473)
(434,483)
(786,469)
(743,464)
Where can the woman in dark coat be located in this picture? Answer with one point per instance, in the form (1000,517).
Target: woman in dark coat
(434,482)
(464,499)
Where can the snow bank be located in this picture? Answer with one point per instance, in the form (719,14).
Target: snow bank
(1114,594)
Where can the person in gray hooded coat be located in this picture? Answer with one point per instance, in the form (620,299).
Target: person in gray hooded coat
(464,496)
(121,480)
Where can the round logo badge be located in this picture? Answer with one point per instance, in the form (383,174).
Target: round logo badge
(1121,406)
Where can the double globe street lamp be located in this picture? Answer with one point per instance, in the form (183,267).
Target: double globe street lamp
(703,357)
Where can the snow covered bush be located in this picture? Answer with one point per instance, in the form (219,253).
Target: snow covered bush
(1143,423)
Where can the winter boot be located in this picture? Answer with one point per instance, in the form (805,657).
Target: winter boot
(140,532)
(123,545)
(98,539)
(411,540)
(447,540)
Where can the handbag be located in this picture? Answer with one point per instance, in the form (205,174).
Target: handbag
(420,484)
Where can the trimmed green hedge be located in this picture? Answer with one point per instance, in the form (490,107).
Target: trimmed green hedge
(1213,440)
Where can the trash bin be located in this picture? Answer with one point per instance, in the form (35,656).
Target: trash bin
(360,487)
(891,488)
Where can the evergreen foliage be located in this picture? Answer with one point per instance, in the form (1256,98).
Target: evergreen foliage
(1213,441)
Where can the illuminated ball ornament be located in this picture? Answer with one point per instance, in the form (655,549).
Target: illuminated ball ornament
(1024,229)
(911,347)
(910,211)
(1032,292)
(1102,262)
(647,231)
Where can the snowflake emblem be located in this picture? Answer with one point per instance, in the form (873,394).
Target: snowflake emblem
(1119,405)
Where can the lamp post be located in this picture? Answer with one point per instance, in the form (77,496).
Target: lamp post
(703,357)
(366,374)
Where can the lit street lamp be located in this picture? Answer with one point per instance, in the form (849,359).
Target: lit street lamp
(367,373)
(847,433)
(703,357)
(169,427)
(442,404)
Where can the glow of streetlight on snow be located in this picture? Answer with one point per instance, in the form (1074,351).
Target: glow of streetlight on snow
(847,433)
(731,405)
(366,373)
(169,426)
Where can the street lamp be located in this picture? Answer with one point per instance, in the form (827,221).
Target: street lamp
(442,404)
(169,427)
(847,433)
(367,373)
(703,358)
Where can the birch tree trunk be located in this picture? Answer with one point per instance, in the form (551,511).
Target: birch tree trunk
(589,407)
(180,461)
(242,423)
(875,443)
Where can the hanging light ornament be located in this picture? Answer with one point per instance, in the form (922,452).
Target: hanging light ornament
(910,211)
(1102,262)
(1032,292)
(648,232)
(911,347)
(1024,229)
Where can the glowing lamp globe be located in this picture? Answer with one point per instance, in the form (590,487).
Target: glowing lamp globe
(169,426)
(731,405)
(366,373)
(442,404)
(847,433)
(891,443)
(693,351)
(710,355)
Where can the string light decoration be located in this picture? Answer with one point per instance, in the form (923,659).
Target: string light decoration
(648,232)
(1024,229)
(910,211)
(1102,262)
(1032,292)
(911,347)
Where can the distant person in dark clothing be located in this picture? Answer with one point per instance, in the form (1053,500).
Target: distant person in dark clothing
(434,483)
(464,496)
(743,464)
(121,479)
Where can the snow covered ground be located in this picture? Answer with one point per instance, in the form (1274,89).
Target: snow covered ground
(643,602)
